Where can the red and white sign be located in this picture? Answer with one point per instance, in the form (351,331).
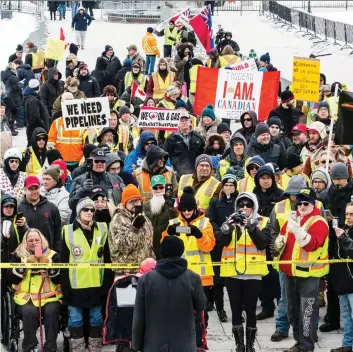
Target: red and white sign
(233,92)
(159,118)
(137,92)
(245,66)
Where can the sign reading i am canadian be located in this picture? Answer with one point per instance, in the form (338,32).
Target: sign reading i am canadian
(85,113)
(233,92)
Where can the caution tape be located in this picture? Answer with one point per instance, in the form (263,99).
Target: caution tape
(136,266)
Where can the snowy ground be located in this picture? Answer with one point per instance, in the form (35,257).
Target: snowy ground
(340,15)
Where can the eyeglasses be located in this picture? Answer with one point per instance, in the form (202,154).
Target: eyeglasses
(99,161)
(305,204)
(86,210)
(245,205)
(41,139)
(186,209)
(247,119)
(158,188)
(318,182)
(252,167)
(14,161)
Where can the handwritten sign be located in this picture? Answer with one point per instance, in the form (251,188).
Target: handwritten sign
(55,49)
(306,79)
(159,119)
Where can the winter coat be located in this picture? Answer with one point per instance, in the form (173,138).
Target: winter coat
(183,152)
(209,149)
(289,117)
(248,132)
(221,45)
(206,131)
(6,187)
(45,217)
(36,114)
(295,148)
(24,74)
(102,75)
(12,86)
(341,273)
(13,57)
(167,323)
(59,197)
(89,86)
(57,104)
(182,67)
(113,64)
(283,141)
(53,5)
(159,222)
(5,139)
(51,89)
(119,78)
(128,244)
(137,57)
(81,22)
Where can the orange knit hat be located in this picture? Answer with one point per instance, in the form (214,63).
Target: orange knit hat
(130,192)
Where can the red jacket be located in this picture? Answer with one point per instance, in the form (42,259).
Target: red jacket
(318,232)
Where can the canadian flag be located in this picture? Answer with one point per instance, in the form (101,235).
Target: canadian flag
(233,92)
(137,92)
(62,37)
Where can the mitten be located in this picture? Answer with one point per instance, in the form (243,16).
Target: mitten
(280,242)
(195,231)
(139,221)
(171,231)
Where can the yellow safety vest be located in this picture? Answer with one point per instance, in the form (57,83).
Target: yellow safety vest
(193,78)
(307,269)
(226,60)
(37,59)
(243,252)
(128,80)
(192,252)
(167,104)
(246,184)
(223,167)
(170,33)
(33,167)
(285,178)
(333,104)
(160,86)
(205,192)
(29,287)
(81,252)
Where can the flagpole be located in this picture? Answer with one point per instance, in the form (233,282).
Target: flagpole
(331,130)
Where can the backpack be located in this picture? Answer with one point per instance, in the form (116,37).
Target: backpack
(192,38)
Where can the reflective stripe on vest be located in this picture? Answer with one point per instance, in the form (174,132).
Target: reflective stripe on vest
(160,86)
(169,33)
(167,104)
(128,80)
(228,60)
(66,140)
(193,78)
(223,167)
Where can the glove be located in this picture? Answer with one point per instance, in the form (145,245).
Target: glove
(88,185)
(139,221)
(32,259)
(301,236)
(171,231)
(280,242)
(195,231)
(43,259)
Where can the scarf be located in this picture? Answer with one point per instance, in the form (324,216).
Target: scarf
(87,227)
(12,175)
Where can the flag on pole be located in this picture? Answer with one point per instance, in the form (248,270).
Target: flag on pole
(233,92)
(202,26)
(62,37)
(137,92)
(185,12)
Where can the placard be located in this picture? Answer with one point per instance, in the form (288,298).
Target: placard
(55,49)
(306,79)
(85,113)
(159,118)
(245,66)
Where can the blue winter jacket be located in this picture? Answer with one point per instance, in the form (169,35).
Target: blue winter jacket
(80,22)
(24,74)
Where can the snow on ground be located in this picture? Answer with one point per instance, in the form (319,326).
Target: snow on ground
(14,31)
(339,15)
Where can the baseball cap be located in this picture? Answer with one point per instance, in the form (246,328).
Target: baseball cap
(158,180)
(307,194)
(98,154)
(132,47)
(31,181)
(9,201)
(298,129)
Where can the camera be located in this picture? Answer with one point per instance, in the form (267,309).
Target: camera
(236,218)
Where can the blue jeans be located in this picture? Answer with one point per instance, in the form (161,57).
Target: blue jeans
(62,11)
(74,7)
(346,307)
(76,318)
(150,62)
(282,323)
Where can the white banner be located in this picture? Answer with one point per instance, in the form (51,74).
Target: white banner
(159,118)
(85,113)
(245,66)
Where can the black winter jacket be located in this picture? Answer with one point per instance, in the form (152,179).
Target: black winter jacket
(289,117)
(51,89)
(167,323)
(89,86)
(45,217)
(12,86)
(102,75)
(24,74)
(113,63)
(119,78)
(247,132)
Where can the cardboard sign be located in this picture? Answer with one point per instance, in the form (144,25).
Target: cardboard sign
(85,113)
(159,118)
(55,49)
(245,66)
(306,79)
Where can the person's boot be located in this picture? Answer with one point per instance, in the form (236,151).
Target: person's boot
(264,315)
(77,342)
(219,302)
(123,346)
(238,333)
(342,349)
(329,326)
(95,339)
(250,339)
(278,336)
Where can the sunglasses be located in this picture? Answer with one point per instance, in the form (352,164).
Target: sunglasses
(186,209)
(245,205)
(158,188)
(303,203)
(149,143)
(247,119)
(99,161)
(86,210)
(14,161)
(41,139)
(252,167)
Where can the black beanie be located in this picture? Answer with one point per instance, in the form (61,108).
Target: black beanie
(171,246)
(149,29)
(87,150)
(52,155)
(293,160)
(187,199)
(286,96)
(223,127)
(261,128)
(274,120)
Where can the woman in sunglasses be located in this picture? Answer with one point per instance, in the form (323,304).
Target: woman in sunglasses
(305,239)
(85,241)
(246,235)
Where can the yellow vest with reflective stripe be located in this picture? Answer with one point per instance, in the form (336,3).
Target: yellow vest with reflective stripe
(223,167)
(33,167)
(285,178)
(333,104)
(37,59)
(29,287)
(243,252)
(204,194)
(82,252)
(226,60)
(167,104)
(308,269)
(192,252)
(128,80)
(193,78)
(246,184)
(170,33)
(160,86)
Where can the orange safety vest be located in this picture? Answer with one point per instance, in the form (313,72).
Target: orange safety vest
(160,86)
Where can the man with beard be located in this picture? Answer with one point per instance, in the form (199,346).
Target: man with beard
(110,137)
(115,165)
(159,209)
(316,133)
(34,159)
(299,137)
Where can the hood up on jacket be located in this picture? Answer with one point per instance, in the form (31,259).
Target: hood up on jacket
(216,137)
(4,198)
(257,160)
(253,198)
(253,116)
(101,64)
(321,174)
(235,136)
(145,137)
(155,153)
(228,50)
(51,73)
(274,186)
(171,267)
(30,91)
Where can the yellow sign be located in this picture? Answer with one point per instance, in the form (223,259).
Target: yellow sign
(55,49)
(306,79)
